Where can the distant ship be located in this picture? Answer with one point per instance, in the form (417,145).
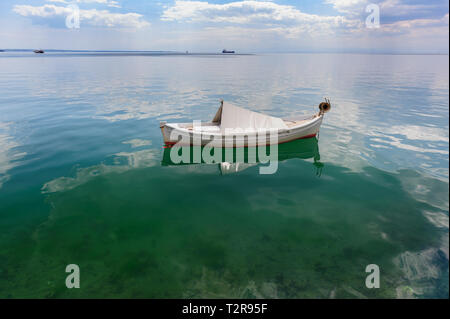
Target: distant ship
(2,50)
(226,51)
(38,51)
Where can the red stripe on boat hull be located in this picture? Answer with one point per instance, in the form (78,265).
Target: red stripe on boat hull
(171,144)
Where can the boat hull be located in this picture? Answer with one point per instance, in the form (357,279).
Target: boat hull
(173,134)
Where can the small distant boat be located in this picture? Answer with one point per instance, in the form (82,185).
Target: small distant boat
(233,126)
(227,51)
(38,51)
(2,50)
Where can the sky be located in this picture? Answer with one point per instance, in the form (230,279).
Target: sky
(405,26)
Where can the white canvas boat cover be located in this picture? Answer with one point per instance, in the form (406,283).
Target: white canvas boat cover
(234,117)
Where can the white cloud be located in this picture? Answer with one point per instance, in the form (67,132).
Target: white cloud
(419,26)
(352,7)
(261,13)
(388,8)
(398,8)
(264,18)
(109,3)
(93,17)
(251,25)
(44,11)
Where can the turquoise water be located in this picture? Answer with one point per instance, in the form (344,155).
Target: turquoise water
(84,178)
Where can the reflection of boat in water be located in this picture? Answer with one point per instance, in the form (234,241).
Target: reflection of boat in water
(234,126)
(238,159)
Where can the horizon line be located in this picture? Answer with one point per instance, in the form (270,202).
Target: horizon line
(325,51)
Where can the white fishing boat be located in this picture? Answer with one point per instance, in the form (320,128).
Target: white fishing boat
(233,126)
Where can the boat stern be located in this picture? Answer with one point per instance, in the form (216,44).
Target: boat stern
(165,134)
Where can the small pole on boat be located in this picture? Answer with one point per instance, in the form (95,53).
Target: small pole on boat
(324,107)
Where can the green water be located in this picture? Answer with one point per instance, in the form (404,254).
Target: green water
(85,180)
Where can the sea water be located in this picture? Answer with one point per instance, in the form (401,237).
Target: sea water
(85,180)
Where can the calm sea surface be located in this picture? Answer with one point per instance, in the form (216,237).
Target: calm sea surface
(84,180)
